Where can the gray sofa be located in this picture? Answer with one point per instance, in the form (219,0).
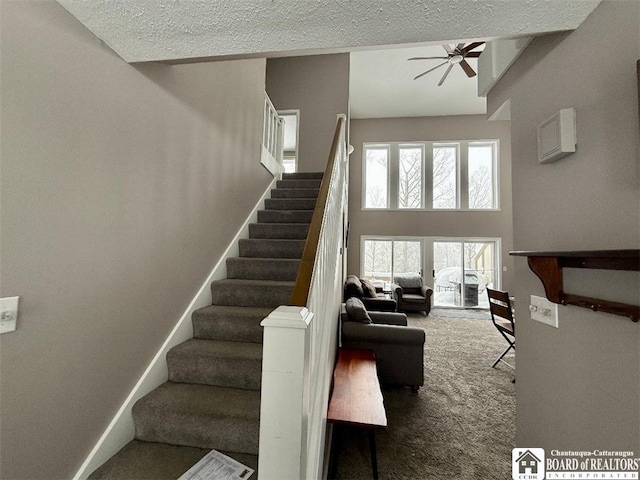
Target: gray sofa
(373,297)
(399,349)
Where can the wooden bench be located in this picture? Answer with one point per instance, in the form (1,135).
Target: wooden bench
(356,400)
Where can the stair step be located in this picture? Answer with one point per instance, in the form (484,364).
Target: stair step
(295,192)
(302,175)
(290,203)
(270,248)
(285,216)
(221,322)
(251,293)
(158,461)
(248,268)
(298,184)
(143,460)
(297,231)
(216,362)
(203,416)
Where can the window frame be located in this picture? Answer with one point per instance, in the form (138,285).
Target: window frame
(376,146)
(461,176)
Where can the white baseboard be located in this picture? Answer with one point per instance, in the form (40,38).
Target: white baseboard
(120,430)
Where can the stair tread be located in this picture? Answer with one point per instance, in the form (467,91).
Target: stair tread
(216,362)
(243,283)
(302,175)
(234,311)
(202,416)
(218,349)
(282,261)
(201,400)
(139,460)
(295,192)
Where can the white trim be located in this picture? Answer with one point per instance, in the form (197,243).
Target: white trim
(268,162)
(120,430)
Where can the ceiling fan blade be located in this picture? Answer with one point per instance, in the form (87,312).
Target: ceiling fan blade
(448,49)
(427,58)
(467,69)
(471,46)
(430,70)
(460,46)
(445,74)
(472,55)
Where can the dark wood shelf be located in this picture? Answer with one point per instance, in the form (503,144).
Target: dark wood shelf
(548,267)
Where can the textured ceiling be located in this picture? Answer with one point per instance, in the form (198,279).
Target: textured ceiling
(177,30)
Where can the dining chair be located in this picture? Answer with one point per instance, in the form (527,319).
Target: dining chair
(502,318)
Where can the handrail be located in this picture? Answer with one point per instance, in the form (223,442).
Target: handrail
(301,288)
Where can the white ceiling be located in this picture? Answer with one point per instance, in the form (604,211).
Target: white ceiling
(382,82)
(170,30)
(382,85)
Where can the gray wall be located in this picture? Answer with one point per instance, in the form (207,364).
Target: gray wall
(319,87)
(429,223)
(578,387)
(119,194)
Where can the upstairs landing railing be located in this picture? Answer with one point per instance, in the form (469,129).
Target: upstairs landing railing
(272,138)
(300,340)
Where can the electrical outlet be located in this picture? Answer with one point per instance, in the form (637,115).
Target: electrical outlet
(8,314)
(544,311)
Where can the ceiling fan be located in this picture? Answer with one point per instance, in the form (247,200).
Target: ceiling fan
(455,55)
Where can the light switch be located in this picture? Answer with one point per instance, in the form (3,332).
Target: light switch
(544,311)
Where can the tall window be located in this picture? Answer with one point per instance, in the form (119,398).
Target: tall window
(481,175)
(376,177)
(410,188)
(461,175)
(445,176)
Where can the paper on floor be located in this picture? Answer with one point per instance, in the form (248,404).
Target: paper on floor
(217,466)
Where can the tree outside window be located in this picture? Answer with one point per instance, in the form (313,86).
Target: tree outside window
(410,177)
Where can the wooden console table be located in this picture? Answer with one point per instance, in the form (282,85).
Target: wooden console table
(356,400)
(548,267)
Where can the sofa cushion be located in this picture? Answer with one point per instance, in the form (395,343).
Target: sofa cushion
(356,311)
(368,288)
(413,298)
(353,287)
(410,280)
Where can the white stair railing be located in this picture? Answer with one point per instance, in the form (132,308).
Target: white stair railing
(300,341)
(272,138)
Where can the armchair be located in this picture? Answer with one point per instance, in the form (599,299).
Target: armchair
(411,295)
(399,349)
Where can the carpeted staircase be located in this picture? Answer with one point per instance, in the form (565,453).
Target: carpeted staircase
(212,398)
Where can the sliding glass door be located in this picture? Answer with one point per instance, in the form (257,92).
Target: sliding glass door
(385,257)
(463,269)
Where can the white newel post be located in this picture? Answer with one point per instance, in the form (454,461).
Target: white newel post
(283,409)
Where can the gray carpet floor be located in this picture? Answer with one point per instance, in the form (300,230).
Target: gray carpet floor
(461,425)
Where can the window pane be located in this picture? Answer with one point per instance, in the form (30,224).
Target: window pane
(410,178)
(376,166)
(481,175)
(447,263)
(479,272)
(444,177)
(377,260)
(406,257)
